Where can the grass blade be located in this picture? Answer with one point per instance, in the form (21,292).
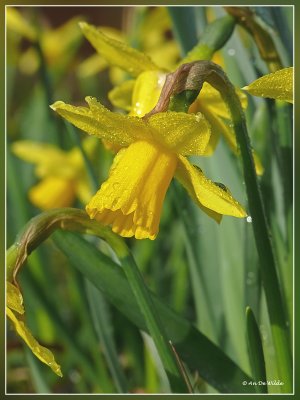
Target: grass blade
(192,346)
(256,352)
(97,304)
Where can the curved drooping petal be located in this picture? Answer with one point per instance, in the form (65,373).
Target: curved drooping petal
(186,134)
(14,298)
(104,124)
(117,53)
(131,199)
(41,352)
(277,85)
(205,192)
(52,192)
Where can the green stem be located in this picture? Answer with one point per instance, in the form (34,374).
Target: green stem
(100,314)
(264,41)
(41,226)
(215,35)
(156,328)
(262,235)
(191,77)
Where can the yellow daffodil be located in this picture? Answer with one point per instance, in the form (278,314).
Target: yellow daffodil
(140,95)
(15,312)
(164,52)
(277,85)
(62,173)
(58,45)
(131,199)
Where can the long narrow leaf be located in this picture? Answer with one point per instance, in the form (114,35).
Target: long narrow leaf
(193,347)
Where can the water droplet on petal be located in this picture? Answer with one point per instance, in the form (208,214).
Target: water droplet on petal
(115,202)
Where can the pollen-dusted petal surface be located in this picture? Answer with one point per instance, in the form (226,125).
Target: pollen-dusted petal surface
(131,199)
(146,92)
(187,134)
(52,192)
(117,53)
(99,121)
(205,192)
(42,353)
(278,85)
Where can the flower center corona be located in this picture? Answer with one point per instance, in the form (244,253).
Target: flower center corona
(131,199)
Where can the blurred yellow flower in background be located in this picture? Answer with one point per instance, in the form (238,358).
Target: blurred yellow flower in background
(139,96)
(163,50)
(63,176)
(131,199)
(58,45)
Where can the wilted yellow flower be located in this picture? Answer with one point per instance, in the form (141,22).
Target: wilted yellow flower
(62,173)
(139,96)
(131,199)
(15,312)
(277,85)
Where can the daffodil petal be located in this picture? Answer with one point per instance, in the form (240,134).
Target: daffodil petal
(187,134)
(38,153)
(104,124)
(165,55)
(131,199)
(210,98)
(49,159)
(52,192)
(91,66)
(17,23)
(117,53)
(121,95)
(14,298)
(41,352)
(277,85)
(146,92)
(60,44)
(205,192)
(218,126)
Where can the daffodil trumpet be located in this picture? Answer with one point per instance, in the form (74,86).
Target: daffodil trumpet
(154,151)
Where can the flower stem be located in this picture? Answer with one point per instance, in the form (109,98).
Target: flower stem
(263,242)
(264,41)
(190,77)
(154,324)
(41,226)
(219,80)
